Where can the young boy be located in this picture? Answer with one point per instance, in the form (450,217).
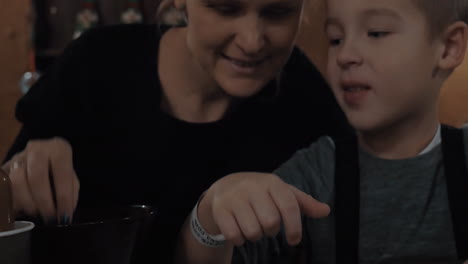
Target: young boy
(394,198)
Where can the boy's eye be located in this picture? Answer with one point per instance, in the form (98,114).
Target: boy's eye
(377,34)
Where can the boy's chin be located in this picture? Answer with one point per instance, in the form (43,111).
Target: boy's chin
(366,126)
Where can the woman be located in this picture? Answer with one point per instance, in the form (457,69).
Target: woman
(152,116)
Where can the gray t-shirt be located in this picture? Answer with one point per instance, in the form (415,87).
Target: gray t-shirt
(404,210)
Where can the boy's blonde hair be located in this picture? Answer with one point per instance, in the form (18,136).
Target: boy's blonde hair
(441,13)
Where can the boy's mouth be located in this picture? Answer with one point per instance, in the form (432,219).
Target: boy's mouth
(354,92)
(350,85)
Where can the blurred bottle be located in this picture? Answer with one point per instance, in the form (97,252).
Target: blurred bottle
(133,13)
(86,18)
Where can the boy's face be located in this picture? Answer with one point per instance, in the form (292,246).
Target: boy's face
(381,62)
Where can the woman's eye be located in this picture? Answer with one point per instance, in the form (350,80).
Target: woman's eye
(377,34)
(225,10)
(277,13)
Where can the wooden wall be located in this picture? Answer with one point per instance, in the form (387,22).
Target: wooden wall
(15,17)
(312,39)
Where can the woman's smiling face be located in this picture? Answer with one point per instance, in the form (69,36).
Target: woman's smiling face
(242,44)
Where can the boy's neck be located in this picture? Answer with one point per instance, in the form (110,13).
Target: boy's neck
(401,141)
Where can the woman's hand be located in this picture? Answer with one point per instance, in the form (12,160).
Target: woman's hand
(247,206)
(43,180)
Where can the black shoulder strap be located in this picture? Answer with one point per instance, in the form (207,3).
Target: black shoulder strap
(347,200)
(453,149)
(347,196)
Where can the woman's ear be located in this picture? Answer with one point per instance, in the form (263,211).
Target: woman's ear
(454,40)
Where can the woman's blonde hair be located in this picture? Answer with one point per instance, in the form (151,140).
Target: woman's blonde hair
(168,14)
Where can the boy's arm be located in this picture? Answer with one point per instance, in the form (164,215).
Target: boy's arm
(245,206)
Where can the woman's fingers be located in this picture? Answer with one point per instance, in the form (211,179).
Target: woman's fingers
(242,222)
(288,207)
(64,179)
(291,202)
(247,221)
(228,226)
(267,213)
(310,206)
(76,192)
(22,198)
(44,181)
(251,205)
(37,173)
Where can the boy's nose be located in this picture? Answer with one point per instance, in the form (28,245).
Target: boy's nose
(348,56)
(251,38)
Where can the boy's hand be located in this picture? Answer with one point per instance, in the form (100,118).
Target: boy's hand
(247,206)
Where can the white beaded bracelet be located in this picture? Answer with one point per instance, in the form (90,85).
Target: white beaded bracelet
(200,234)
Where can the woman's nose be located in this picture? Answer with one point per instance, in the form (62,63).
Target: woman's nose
(251,37)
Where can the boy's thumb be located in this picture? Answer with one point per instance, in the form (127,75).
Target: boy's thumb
(309,206)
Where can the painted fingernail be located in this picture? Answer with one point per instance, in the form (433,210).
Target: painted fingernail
(65,219)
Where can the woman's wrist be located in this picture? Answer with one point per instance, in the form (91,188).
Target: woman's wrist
(205,215)
(210,236)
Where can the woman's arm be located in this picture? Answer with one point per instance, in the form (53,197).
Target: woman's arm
(247,206)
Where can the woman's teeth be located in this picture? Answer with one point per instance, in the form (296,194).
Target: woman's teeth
(245,64)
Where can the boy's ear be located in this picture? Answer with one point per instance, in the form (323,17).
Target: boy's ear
(454,40)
